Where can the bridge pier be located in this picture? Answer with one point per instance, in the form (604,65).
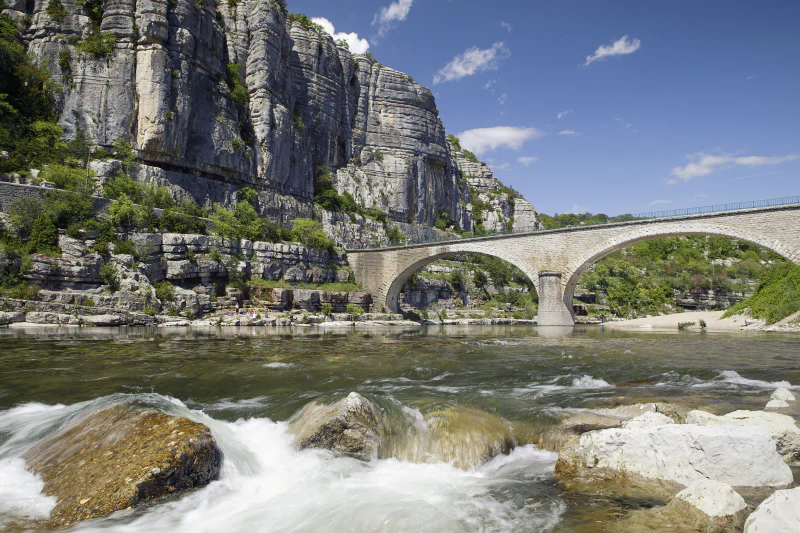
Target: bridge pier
(553,311)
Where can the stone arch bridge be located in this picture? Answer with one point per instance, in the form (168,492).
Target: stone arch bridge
(555,259)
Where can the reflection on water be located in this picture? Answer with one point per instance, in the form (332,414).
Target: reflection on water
(246,382)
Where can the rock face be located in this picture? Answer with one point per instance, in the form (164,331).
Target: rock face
(352,426)
(780,513)
(738,456)
(216,97)
(783,428)
(120,457)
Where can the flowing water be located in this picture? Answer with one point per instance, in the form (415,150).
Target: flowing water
(246,383)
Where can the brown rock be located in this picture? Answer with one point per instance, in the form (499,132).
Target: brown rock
(119,457)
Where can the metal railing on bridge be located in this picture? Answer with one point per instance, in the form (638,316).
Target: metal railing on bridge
(718,208)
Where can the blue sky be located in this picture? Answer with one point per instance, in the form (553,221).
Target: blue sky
(614,107)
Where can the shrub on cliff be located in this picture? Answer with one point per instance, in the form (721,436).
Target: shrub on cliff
(310,233)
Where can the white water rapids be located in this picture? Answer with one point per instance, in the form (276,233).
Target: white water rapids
(267,485)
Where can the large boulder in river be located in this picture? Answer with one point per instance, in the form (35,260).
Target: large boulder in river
(576,422)
(780,513)
(119,457)
(352,426)
(783,428)
(679,454)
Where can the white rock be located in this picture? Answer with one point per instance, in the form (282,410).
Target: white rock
(780,513)
(782,394)
(712,497)
(777,404)
(739,456)
(647,420)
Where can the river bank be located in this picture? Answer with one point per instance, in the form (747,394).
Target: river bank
(706,321)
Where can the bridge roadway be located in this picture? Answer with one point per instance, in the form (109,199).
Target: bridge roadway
(555,259)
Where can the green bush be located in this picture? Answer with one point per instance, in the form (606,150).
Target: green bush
(685,325)
(56,10)
(66,178)
(108,273)
(355,310)
(327,309)
(44,235)
(165,291)
(97,43)
(395,235)
(304,21)
(239,95)
(310,233)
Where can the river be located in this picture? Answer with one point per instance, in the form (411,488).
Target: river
(246,383)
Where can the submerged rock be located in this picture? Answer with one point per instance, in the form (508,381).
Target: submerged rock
(780,513)
(783,428)
(119,457)
(679,454)
(705,505)
(352,426)
(465,437)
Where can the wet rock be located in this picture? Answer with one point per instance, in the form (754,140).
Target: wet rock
(782,394)
(466,437)
(578,422)
(704,506)
(119,457)
(777,404)
(679,454)
(783,428)
(352,426)
(780,513)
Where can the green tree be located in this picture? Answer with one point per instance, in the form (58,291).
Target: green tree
(310,233)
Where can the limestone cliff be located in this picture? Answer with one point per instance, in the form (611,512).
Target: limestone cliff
(216,97)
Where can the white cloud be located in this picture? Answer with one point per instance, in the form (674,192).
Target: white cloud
(578,209)
(356,45)
(471,61)
(504,166)
(660,202)
(619,47)
(568,132)
(506,25)
(481,140)
(563,113)
(490,83)
(388,17)
(527,160)
(702,164)
(503,98)
(672,181)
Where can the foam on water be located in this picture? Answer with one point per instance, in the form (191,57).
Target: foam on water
(267,485)
(21,492)
(584,382)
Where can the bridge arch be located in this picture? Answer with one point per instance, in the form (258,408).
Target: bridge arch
(416,262)
(576,268)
